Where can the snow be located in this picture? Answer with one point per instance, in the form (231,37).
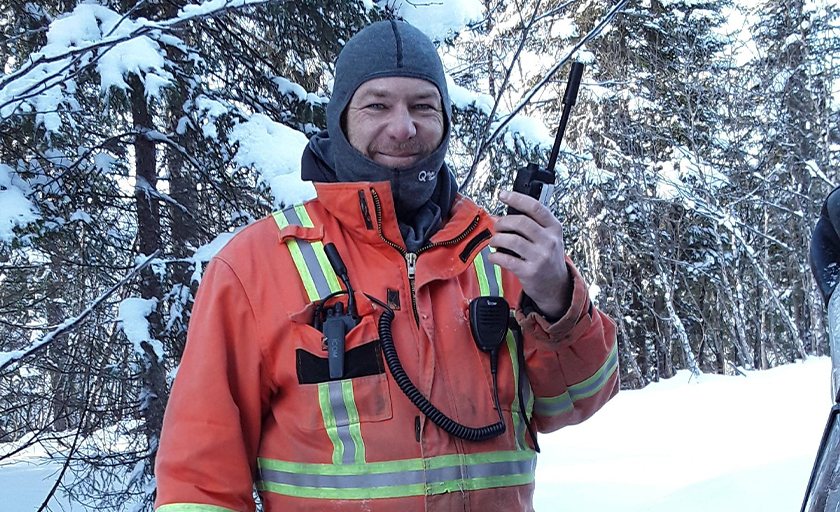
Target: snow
(103,162)
(274,150)
(725,443)
(531,129)
(564,28)
(722,444)
(585,57)
(82,216)
(206,252)
(463,98)
(133,313)
(440,18)
(192,10)
(289,88)
(15,208)
(815,171)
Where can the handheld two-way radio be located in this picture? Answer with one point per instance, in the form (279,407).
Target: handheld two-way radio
(532,180)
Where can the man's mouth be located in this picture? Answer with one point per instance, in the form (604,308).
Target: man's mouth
(399,155)
(396,159)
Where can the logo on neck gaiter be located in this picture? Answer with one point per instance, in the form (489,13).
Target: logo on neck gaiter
(425,176)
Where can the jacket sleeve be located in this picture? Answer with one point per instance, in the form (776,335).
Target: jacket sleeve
(572,364)
(206,461)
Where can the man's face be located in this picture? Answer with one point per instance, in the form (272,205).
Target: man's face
(395,121)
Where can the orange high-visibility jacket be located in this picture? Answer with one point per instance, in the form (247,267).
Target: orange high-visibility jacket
(252,402)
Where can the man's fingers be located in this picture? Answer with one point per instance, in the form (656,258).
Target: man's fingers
(512,242)
(506,261)
(528,206)
(523,226)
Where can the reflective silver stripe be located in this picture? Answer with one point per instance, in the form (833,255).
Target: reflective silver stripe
(490,283)
(490,272)
(528,396)
(343,481)
(309,256)
(191,507)
(594,384)
(342,422)
(527,393)
(482,470)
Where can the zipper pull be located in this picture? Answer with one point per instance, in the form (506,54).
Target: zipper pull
(411,262)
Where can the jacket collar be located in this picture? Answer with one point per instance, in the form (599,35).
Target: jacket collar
(354,205)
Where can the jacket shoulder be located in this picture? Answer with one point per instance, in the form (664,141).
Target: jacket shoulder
(259,239)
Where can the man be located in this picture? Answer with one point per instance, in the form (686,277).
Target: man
(260,397)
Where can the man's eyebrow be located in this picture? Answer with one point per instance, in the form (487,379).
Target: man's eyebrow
(427,95)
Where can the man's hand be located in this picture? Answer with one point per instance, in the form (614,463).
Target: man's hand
(537,237)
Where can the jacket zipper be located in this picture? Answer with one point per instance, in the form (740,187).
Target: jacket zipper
(411,257)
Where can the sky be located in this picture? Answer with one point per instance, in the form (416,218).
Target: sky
(717,444)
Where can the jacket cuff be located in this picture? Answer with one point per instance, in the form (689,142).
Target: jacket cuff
(556,335)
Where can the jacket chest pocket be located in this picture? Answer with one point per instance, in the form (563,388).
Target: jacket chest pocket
(340,405)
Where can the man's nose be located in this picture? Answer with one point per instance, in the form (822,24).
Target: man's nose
(401,125)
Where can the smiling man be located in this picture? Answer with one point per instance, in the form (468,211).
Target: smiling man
(387,401)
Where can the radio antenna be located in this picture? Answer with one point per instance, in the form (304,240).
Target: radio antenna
(569,100)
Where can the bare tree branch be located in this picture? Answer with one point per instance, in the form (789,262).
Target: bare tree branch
(71,323)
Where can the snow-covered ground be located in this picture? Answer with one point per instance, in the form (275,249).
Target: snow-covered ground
(724,444)
(721,444)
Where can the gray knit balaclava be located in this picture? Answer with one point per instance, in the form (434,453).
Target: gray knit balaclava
(387,49)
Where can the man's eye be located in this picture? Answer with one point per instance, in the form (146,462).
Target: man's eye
(424,106)
(376,106)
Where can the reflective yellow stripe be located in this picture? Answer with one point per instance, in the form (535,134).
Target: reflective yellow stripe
(341,421)
(401,478)
(335,398)
(325,402)
(354,425)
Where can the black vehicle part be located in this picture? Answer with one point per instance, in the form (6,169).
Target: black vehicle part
(822,493)
(825,246)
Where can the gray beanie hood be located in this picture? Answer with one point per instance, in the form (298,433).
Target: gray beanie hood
(387,49)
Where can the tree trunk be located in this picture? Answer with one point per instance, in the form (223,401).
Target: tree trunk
(148,239)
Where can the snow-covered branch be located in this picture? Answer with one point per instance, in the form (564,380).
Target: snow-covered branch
(64,53)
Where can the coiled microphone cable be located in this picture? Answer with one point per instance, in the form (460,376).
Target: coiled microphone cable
(440,419)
